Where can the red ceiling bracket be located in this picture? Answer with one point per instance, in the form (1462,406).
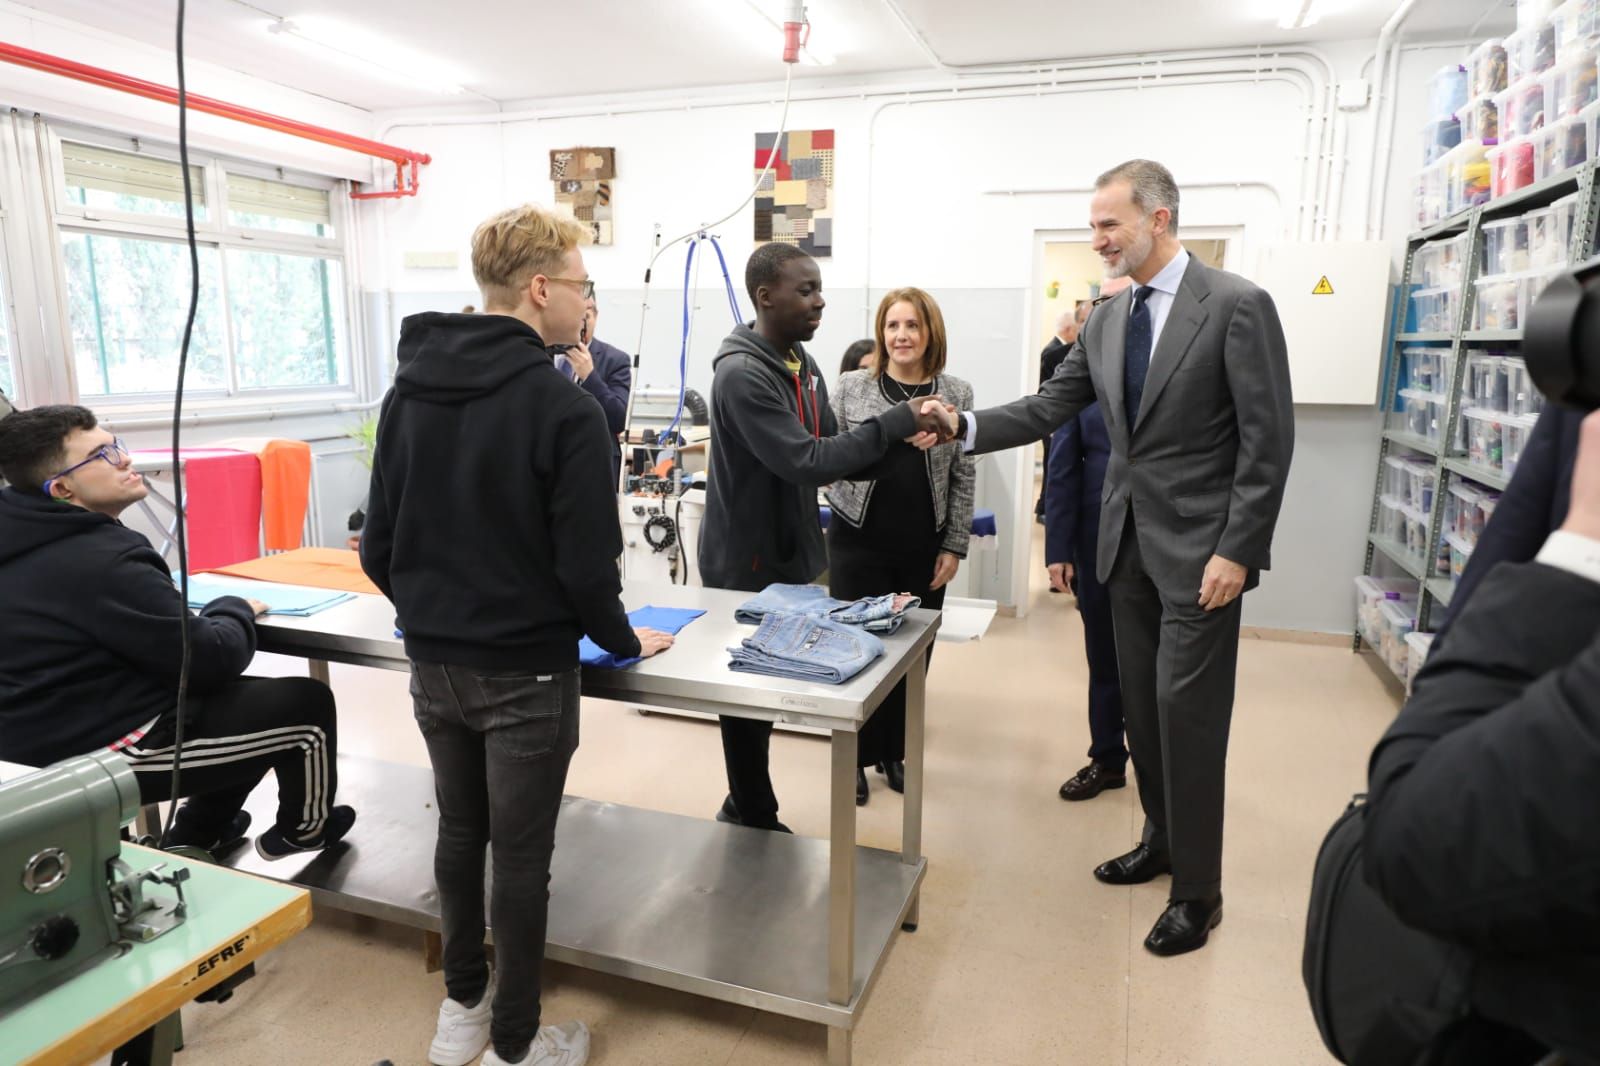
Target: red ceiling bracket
(108,79)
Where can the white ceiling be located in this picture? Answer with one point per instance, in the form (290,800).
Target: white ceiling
(513,50)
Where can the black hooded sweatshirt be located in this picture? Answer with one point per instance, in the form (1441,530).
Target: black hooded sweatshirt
(492,519)
(89,639)
(774,441)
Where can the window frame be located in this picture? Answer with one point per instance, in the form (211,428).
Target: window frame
(68,216)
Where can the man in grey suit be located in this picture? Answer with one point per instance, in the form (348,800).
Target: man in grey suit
(1192,374)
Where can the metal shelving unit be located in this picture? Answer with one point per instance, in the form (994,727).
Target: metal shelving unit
(1433,589)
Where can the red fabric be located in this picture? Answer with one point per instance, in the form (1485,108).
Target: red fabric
(762,155)
(222,495)
(821,139)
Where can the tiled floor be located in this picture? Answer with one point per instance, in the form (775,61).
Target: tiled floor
(1021,958)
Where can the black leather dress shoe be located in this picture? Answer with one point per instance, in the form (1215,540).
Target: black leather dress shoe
(895,771)
(861,787)
(1135,868)
(1091,781)
(1185,925)
(729,814)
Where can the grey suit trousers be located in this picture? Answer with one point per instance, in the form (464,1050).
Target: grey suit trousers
(1177,663)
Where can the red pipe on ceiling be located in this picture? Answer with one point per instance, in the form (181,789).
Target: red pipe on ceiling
(402,158)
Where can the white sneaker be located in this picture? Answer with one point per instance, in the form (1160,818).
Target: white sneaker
(566,1044)
(463,1031)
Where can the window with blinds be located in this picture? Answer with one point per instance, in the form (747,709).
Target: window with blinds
(259,203)
(129,182)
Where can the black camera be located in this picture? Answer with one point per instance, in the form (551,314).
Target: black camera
(1561,339)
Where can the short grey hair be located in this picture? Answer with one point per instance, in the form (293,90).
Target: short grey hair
(1152,184)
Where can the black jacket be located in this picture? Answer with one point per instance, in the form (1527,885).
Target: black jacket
(492,518)
(1481,826)
(610,383)
(90,643)
(774,441)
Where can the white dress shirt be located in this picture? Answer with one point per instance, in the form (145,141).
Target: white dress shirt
(1159,302)
(1572,552)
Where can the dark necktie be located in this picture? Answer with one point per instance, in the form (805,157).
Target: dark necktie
(1141,331)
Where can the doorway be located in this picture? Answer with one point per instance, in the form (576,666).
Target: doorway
(1072,272)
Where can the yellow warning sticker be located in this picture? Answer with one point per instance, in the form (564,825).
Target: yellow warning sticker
(1323,287)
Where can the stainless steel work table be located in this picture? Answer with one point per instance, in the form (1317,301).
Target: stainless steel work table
(721,911)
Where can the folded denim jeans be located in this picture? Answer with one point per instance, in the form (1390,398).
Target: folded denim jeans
(806,648)
(876,614)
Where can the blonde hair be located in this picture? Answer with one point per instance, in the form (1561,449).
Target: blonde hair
(933,357)
(509,249)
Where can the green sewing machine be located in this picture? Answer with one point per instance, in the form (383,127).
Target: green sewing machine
(67,900)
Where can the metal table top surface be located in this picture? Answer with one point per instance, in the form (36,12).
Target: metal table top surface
(693,674)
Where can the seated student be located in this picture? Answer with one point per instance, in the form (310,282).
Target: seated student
(90,651)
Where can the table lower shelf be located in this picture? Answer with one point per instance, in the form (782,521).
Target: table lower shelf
(721,911)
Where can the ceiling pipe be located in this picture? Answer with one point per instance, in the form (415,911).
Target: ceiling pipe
(1382,61)
(406,162)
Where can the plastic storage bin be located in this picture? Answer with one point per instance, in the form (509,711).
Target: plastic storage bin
(1438,137)
(1563,216)
(1560,146)
(1431,191)
(1522,108)
(1510,166)
(1524,396)
(1501,301)
(1570,86)
(1485,437)
(1434,309)
(1460,552)
(1374,591)
(1480,119)
(1466,176)
(1440,264)
(1515,430)
(1417,647)
(1422,413)
(1488,383)
(1575,26)
(1487,67)
(1447,91)
(1397,621)
(1426,369)
(1529,51)
(1505,246)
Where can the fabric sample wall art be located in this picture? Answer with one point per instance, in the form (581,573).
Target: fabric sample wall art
(794,204)
(583,178)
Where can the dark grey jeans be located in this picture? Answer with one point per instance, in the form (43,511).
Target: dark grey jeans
(500,745)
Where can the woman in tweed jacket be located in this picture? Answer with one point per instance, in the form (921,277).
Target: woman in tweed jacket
(906,528)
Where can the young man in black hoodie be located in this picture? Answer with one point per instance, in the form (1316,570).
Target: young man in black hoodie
(492,526)
(90,648)
(774,441)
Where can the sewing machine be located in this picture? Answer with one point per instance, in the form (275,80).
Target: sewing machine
(67,900)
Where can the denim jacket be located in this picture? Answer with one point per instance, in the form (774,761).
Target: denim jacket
(858,397)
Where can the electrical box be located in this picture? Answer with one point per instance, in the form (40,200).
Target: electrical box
(1333,299)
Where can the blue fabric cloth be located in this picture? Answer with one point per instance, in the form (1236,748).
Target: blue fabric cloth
(806,649)
(1140,339)
(983,524)
(666,619)
(297,601)
(875,614)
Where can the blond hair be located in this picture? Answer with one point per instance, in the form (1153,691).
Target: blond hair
(932,328)
(509,249)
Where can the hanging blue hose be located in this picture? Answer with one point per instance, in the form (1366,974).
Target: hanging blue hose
(670,434)
(727,282)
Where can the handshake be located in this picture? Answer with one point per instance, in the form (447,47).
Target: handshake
(937,422)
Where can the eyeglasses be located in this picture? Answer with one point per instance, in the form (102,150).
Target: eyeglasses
(115,453)
(585,285)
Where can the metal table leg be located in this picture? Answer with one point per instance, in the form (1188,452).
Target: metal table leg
(911,832)
(319,670)
(842,887)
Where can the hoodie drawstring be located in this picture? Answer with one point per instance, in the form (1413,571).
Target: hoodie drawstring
(800,405)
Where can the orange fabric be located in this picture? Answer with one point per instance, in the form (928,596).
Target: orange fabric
(285,490)
(322,568)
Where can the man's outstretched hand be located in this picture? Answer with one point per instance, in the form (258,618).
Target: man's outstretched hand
(937,423)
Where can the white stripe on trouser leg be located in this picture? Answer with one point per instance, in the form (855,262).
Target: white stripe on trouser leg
(218,751)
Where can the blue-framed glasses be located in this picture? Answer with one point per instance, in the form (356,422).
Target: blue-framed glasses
(115,453)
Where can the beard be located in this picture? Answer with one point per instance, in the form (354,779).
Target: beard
(1133,255)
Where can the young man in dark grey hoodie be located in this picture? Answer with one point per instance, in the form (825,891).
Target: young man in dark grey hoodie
(774,441)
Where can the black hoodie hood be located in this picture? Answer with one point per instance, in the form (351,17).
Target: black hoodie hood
(452,358)
(29,522)
(744,340)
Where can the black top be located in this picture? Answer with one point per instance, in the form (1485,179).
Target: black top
(899,518)
(774,441)
(90,642)
(492,518)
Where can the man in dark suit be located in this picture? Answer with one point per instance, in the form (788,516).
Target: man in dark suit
(606,373)
(1079,453)
(1192,374)
(1066,332)
(1533,506)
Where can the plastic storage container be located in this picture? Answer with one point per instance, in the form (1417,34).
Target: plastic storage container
(1447,91)
(1510,166)
(1528,51)
(1480,119)
(1433,310)
(1487,67)
(1524,396)
(1485,437)
(1563,215)
(1560,146)
(1522,108)
(1440,264)
(1371,592)
(1426,369)
(1505,246)
(1422,413)
(1397,621)
(1575,27)
(1466,176)
(1460,552)
(1438,137)
(1431,192)
(1417,647)
(1501,301)
(1570,86)
(1488,384)
(1515,430)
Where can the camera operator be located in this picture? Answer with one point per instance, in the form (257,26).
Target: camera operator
(1481,824)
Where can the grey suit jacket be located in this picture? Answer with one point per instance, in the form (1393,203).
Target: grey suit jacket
(1204,466)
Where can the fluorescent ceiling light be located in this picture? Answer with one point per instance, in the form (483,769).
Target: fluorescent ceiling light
(1300,14)
(363,52)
